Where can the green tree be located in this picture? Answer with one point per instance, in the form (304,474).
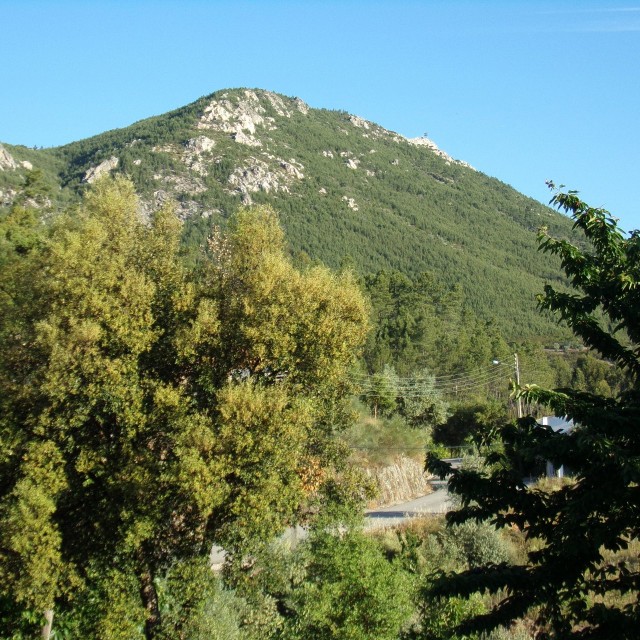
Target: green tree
(147,413)
(477,423)
(350,591)
(597,376)
(420,402)
(381,392)
(399,317)
(582,578)
(195,605)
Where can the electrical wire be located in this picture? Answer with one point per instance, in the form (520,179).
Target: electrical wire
(413,387)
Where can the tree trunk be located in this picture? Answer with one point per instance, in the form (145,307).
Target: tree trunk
(149,598)
(48,625)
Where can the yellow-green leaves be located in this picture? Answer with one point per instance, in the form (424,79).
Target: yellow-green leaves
(31,564)
(179,410)
(262,436)
(309,326)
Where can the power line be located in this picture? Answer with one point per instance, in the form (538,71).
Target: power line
(448,378)
(413,387)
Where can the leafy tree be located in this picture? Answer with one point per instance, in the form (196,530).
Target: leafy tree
(381,393)
(146,415)
(578,581)
(350,591)
(403,315)
(477,423)
(420,402)
(195,605)
(597,376)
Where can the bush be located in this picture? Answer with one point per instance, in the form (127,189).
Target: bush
(351,591)
(478,544)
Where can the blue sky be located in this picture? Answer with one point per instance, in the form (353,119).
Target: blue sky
(523,91)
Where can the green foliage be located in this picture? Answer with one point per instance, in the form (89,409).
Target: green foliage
(19,232)
(476,544)
(382,392)
(440,616)
(430,547)
(262,438)
(577,581)
(194,604)
(416,212)
(597,376)
(477,423)
(422,323)
(108,606)
(379,441)
(350,592)
(121,378)
(420,402)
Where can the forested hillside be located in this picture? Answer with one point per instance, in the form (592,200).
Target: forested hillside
(347,191)
(156,400)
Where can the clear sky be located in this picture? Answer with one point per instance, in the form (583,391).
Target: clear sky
(523,91)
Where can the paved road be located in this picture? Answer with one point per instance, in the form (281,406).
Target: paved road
(436,502)
(432,503)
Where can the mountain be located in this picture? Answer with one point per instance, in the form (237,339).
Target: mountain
(347,190)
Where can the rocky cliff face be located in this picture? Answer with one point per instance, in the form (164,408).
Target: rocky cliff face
(403,480)
(251,119)
(6,160)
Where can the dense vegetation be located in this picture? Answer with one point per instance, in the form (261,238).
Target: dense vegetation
(166,385)
(416,211)
(148,411)
(583,579)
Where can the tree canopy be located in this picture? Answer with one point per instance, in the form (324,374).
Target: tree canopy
(147,411)
(582,578)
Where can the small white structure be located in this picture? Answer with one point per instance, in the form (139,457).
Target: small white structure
(558,425)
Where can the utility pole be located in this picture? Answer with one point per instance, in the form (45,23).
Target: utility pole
(517,367)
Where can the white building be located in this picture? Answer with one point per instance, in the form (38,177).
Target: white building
(558,425)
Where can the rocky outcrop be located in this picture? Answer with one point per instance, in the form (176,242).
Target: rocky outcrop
(195,153)
(7,196)
(301,106)
(351,203)
(240,118)
(291,169)
(430,144)
(183,208)
(185,184)
(359,122)
(278,105)
(242,138)
(258,175)
(104,167)
(6,160)
(254,177)
(199,145)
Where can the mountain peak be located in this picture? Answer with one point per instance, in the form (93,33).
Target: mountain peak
(346,189)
